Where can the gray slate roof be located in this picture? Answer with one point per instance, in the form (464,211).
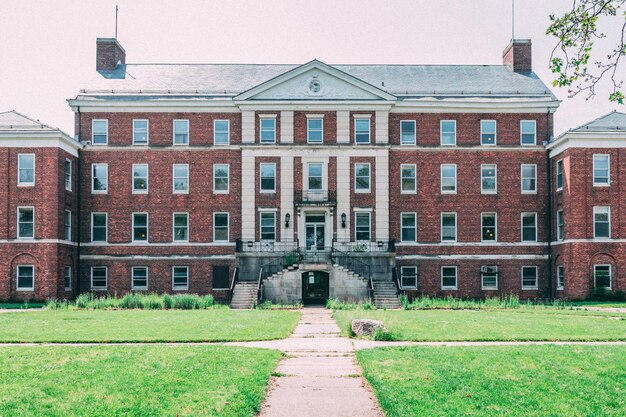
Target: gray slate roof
(14,121)
(612,122)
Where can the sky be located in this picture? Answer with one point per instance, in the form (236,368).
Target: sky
(47,48)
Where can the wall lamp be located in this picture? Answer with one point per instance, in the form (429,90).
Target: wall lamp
(343,220)
(287,219)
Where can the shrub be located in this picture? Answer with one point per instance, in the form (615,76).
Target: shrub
(54,304)
(383,336)
(168,302)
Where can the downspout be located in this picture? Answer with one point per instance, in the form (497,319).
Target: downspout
(550,216)
(78,199)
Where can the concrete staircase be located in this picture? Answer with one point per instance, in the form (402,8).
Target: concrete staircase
(386,295)
(244,295)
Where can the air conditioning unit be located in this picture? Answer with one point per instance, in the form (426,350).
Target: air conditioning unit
(489,269)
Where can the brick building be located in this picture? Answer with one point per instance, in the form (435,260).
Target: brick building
(303,182)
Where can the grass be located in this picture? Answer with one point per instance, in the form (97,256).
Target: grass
(133,380)
(537,381)
(146,326)
(605,304)
(469,325)
(21,305)
(149,301)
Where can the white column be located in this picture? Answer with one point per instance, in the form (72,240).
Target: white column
(343,127)
(382,127)
(382,196)
(343,196)
(286,127)
(286,196)
(248,183)
(247,126)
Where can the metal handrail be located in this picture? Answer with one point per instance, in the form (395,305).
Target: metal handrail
(382,246)
(315,196)
(258,288)
(396,280)
(232,284)
(351,262)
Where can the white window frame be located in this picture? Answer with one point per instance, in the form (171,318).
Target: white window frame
(17,278)
(495,227)
(560,231)
(67,228)
(93,133)
(369,225)
(441,167)
(441,122)
(414,214)
(273,213)
(186,122)
(19,169)
(521,132)
(456,233)
(560,277)
(600,210)
(227,190)
(414,179)
(309,130)
(180,287)
(495,132)
(261,119)
(530,287)
(32,208)
(595,266)
(139,191)
(147,228)
(526,213)
(68,175)
(369,129)
(132,278)
(186,190)
(593,173)
(559,173)
(495,170)
(228,226)
(369,177)
(308,176)
(482,280)
(402,268)
(532,191)
(456,278)
(174,226)
(106,278)
(106,227)
(65,275)
(93,178)
(261,189)
(215,143)
(414,139)
(147,132)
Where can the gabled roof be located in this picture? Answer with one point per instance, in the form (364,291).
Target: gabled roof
(17,122)
(612,122)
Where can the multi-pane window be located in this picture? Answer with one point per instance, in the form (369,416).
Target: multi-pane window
(140,227)
(601,170)
(448,227)
(98,277)
(529,277)
(140,132)
(447,133)
(25,222)
(528,132)
(99,132)
(408,178)
(487,132)
(559,174)
(268,178)
(139,277)
(220,227)
(362,225)
(67,278)
(181,132)
(99,178)
(314,130)
(25,277)
(68,175)
(602,276)
(408,226)
(315,177)
(98,227)
(408,276)
(180,178)
(489,226)
(362,130)
(140,178)
(221,132)
(26,169)
(180,277)
(361,178)
(489,277)
(601,222)
(448,178)
(448,277)
(220,178)
(407,132)
(560,277)
(268,129)
(268,225)
(560,225)
(529,178)
(67,229)
(529,227)
(489,178)
(181,227)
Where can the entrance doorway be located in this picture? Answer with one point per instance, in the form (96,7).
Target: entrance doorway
(315,287)
(315,231)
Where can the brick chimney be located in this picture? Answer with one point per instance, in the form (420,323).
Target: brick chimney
(518,55)
(109,53)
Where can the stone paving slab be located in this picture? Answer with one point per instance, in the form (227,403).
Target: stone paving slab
(319,366)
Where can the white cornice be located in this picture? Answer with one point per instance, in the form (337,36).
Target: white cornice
(600,140)
(46,139)
(476,105)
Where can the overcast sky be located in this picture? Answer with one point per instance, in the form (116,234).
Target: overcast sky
(47,48)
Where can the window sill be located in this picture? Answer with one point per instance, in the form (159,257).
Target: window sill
(489,288)
(602,185)
(180,192)
(180,288)
(408,192)
(449,288)
(27,184)
(559,288)
(529,192)
(140,192)
(221,192)
(98,289)
(489,192)
(24,289)
(448,192)
(99,192)
(530,288)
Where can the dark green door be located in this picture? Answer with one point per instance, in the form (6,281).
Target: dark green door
(314,287)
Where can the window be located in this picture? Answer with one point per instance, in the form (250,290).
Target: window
(602,276)
(25,277)
(268,226)
(67,278)
(180,277)
(489,226)
(140,227)
(408,183)
(140,178)
(601,222)
(221,132)
(489,178)
(98,277)
(100,178)
(362,225)
(67,218)
(447,129)
(362,178)
(407,132)
(98,227)
(181,132)
(181,227)
(314,130)
(448,178)
(529,227)
(560,225)
(68,175)
(487,132)
(220,276)
(180,178)
(529,179)
(489,277)
(25,222)
(268,130)
(140,132)
(560,277)
(220,178)
(26,169)
(361,130)
(529,277)
(408,227)
(315,177)
(139,276)
(99,132)
(559,175)
(528,132)
(220,227)
(448,277)
(408,276)
(268,178)
(448,227)
(601,170)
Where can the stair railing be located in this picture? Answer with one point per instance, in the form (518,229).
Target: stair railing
(396,280)
(258,287)
(351,262)
(232,285)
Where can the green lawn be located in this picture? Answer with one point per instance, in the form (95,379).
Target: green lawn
(133,380)
(146,325)
(459,325)
(521,381)
(18,306)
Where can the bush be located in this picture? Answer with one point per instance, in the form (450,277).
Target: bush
(604,294)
